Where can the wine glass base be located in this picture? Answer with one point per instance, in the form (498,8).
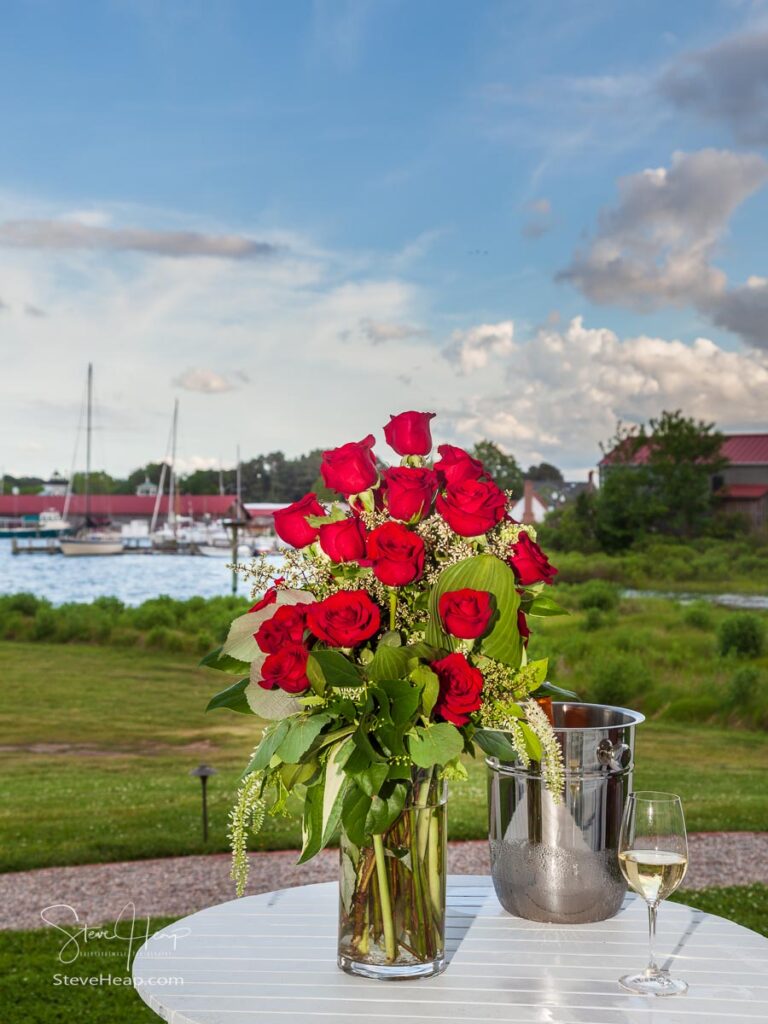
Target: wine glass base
(653,984)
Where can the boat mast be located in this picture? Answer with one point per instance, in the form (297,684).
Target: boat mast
(88,428)
(172,482)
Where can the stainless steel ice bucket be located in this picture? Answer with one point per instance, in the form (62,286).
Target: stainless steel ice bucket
(558,862)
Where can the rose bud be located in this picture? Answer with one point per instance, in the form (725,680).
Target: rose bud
(286,669)
(344,619)
(455,465)
(409,492)
(396,553)
(291,523)
(472,507)
(343,541)
(351,468)
(286,626)
(408,433)
(466,613)
(461,686)
(530,563)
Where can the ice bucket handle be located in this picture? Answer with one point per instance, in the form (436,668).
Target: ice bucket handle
(616,756)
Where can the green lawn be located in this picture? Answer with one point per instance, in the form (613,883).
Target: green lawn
(29,966)
(103,741)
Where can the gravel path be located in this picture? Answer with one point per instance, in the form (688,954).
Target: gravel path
(175,886)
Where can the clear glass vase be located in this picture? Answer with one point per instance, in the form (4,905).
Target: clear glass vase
(392,893)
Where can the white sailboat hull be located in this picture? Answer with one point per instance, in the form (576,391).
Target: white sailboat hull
(222,551)
(91,546)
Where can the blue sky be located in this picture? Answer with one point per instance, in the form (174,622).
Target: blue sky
(530,218)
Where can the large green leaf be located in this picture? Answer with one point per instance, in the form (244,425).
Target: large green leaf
(354,811)
(388,663)
(324,801)
(385,809)
(334,668)
(302,732)
(482,572)
(270,741)
(437,744)
(429,684)
(233,698)
(404,699)
(223,663)
(543,604)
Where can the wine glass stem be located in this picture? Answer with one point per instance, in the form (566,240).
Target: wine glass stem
(652,965)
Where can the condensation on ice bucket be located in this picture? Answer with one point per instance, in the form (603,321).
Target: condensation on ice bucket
(559,862)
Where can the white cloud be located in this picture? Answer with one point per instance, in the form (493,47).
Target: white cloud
(85,234)
(207,382)
(566,388)
(654,247)
(538,218)
(472,349)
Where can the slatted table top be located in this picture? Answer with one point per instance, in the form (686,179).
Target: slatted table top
(273,958)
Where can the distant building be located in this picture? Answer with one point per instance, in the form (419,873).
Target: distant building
(146,489)
(55,487)
(123,508)
(741,485)
(532,508)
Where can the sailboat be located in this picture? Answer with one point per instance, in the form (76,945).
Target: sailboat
(89,540)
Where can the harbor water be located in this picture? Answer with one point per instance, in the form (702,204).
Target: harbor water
(132,578)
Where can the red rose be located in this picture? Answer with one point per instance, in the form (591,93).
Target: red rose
(344,619)
(291,523)
(460,687)
(472,507)
(409,434)
(397,554)
(286,669)
(456,465)
(530,563)
(522,626)
(466,613)
(343,541)
(409,492)
(286,626)
(351,468)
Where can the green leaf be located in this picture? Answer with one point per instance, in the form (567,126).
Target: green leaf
(532,742)
(436,744)
(548,689)
(334,668)
(429,683)
(302,733)
(495,743)
(482,572)
(546,605)
(233,698)
(391,638)
(384,810)
(372,778)
(324,801)
(539,668)
(388,663)
(270,741)
(424,652)
(354,811)
(404,699)
(224,663)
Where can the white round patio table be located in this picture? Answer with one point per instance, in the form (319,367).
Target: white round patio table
(273,958)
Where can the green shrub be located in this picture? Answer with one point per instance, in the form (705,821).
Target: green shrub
(593,620)
(743,634)
(698,616)
(620,679)
(24,604)
(743,688)
(598,594)
(157,638)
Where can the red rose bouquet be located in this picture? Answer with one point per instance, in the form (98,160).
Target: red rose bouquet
(393,642)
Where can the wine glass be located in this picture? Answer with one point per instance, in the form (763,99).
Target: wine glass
(653,855)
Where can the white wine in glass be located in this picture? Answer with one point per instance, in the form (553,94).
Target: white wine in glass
(653,855)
